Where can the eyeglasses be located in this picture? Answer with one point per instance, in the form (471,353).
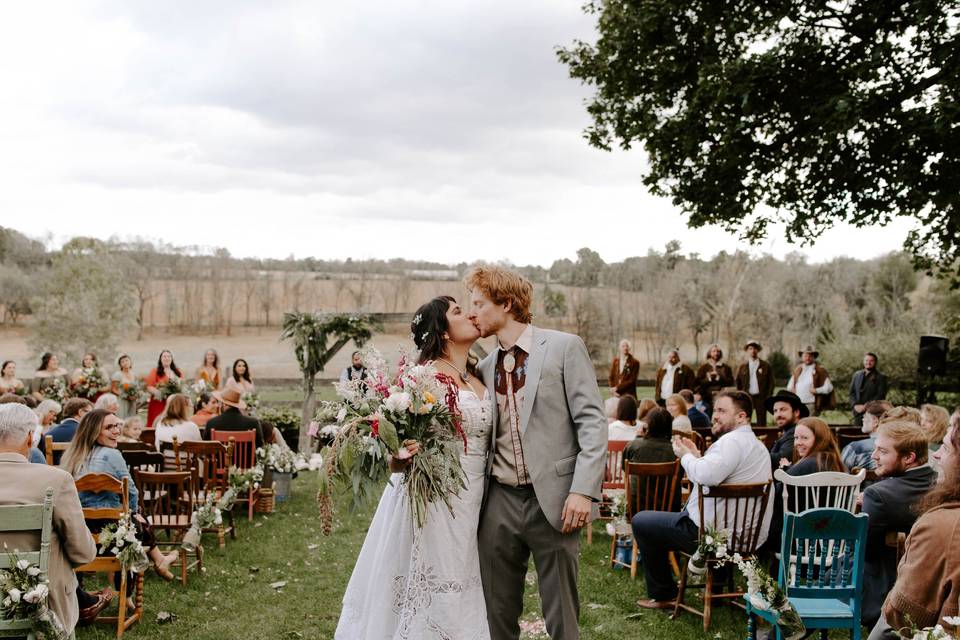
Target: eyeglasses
(113,427)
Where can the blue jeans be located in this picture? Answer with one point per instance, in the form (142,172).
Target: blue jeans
(657,533)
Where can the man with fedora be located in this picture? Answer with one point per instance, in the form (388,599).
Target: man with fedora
(812,383)
(787,411)
(755,377)
(231,416)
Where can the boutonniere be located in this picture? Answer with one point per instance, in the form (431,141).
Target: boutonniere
(759,369)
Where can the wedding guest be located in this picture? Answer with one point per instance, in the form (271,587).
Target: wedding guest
(859,453)
(643,410)
(356,370)
(175,422)
(900,458)
(737,457)
(209,371)
(48,376)
(656,446)
(712,376)
(672,377)
(678,409)
(625,426)
(934,421)
(231,416)
(70,542)
(34,454)
(240,379)
(755,376)
(623,372)
(698,419)
(207,407)
(165,371)
(272,435)
(867,385)
(928,577)
(73,411)
(9,383)
(811,383)
(121,384)
(132,428)
(108,402)
(94,450)
(610,409)
(814,449)
(47,412)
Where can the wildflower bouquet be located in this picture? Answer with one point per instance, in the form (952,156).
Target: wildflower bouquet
(376,415)
(89,384)
(765,593)
(171,386)
(241,481)
(56,390)
(277,458)
(25,595)
(120,539)
(134,392)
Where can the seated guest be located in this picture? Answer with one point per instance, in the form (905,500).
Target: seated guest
(625,426)
(34,454)
(108,402)
(678,409)
(928,576)
(94,450)
(656,446)
(859,453)
(208,406)
(698,419)
(643,410)
(231,417)
(175,422)
(787,410)
(934,421)
(73,411)
(610,409)
(814,449)
(70,542)
(132,428)
(900,459)
(737,457)
(47,411)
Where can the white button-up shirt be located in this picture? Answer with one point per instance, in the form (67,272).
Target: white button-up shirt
(753,365)
(737,457)
(666,386)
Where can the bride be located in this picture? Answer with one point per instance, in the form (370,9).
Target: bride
(412,583)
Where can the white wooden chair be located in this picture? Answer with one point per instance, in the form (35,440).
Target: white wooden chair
(824,490)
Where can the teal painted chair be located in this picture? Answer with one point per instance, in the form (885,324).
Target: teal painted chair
(826,583)
(19,518)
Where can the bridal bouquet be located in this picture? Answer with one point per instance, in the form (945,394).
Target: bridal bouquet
(89,384)
(376,416)
(25,595)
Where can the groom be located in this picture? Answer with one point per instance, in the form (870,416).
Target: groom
(547,456)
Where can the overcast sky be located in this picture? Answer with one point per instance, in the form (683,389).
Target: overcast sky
(431,130)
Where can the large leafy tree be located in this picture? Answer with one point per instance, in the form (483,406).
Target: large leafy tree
(807,113)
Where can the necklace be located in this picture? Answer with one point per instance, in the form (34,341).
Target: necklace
(463,374)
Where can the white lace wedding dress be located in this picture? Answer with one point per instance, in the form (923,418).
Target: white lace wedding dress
(424,584)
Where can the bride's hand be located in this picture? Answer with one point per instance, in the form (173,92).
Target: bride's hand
(402,460)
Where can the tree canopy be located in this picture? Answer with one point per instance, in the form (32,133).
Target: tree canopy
(806,113)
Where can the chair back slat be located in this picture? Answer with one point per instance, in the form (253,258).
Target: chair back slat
(746,502)
(29,517)
(149,437)
(169,491)
(615,464)
(824,490)
(209,462)
(696,436)
(244,446)
(651,486)
(52,450)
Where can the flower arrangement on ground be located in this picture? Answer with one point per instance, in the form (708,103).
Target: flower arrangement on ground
(89,384)
(375,415)
(277,458)
(207,515)
(241,481)
(120,539)
(618,511)
(26,593)
(172,385)
(56,390)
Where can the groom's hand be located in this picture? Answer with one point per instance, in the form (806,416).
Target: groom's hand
(576,512)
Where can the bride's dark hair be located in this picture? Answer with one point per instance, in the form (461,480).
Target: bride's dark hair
(428,326)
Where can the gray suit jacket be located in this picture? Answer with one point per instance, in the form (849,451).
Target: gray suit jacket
(71,544)
(562,424)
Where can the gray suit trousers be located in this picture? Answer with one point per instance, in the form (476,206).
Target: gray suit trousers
(511,528)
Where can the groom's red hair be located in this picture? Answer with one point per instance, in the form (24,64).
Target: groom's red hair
(503,285)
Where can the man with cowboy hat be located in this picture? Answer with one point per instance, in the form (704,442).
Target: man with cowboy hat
(812,383)
(787,411)
(231,416)
(755,377)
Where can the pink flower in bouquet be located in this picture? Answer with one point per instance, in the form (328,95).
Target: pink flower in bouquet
(313,429)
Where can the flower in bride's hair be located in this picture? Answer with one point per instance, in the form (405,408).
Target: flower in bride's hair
(424,336)
(417,318)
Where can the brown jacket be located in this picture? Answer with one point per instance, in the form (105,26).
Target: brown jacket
(724,371)
(765,379)
(71,544)
(928,578)
(683,378)
(822,401)
(624,382)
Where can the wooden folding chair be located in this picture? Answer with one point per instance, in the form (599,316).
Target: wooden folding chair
(650,486)
(696,436)
(170,511)
(100,483)
(23,518)
(612,482)
(739,509)
(244,457)
(139,445)
(49,447)
(209,463)
(149,437)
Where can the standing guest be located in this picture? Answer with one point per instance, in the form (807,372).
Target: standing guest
(698,419)
(88,364)
(231,416)
(900,459)
(787,411)
(867,385)
(814,449)
(625,426)
(73,411)
(120,384)
(755,377)
(859,453)
(70,542)
(49,373)
(712,376)
(240,379)
(166,370)
(672,377)
(108,402)
(624,371)
(47,412)
(643,410)
(356,370)
(209,371)
(678,409)
(812,383)
(934,421)
(9,383)
(175,422)
(928,576)
(132,428)
(207,407)
(737,457)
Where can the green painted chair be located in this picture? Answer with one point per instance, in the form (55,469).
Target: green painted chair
(826,583)
(20,518)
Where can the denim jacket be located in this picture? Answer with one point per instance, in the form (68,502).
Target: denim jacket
(108,460)
(859,453)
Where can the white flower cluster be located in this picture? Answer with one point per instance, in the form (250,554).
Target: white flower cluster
(278,458)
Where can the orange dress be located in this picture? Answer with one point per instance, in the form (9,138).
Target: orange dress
(214,381)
